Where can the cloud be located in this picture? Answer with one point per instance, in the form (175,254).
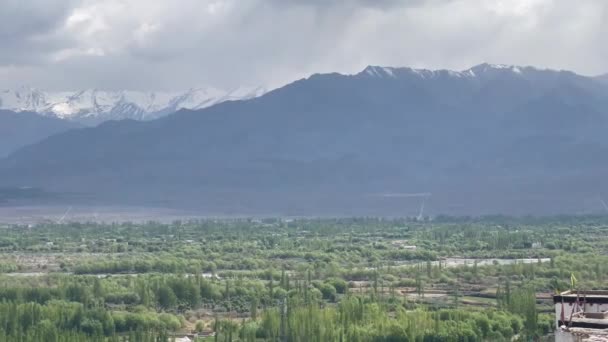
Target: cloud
(27,29)
(164,44)
(379,4)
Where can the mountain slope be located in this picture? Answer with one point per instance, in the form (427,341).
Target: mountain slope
(21,129)
(491,139)
(95,106)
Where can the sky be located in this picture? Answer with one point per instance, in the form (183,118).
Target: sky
(179,44)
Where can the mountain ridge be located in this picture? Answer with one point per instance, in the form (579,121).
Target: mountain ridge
(503,141)
(21,129)
(93,106)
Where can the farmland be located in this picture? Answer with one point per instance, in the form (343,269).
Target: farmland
(355,279)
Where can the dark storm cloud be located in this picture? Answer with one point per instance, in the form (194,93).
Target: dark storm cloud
(142,44)
(27,28)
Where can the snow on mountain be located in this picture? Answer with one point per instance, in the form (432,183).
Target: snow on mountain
(477,71)
(243,93)
(323,144)
(94,106)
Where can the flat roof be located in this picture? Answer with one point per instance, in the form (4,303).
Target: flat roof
(585,293)
(593,296)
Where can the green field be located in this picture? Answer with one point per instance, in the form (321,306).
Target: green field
(358,279)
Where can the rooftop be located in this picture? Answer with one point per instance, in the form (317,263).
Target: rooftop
(591,296)
(596,293)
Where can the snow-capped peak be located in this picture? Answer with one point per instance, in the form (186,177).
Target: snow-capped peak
(487,67)
(476,71)
(378,71)
(23,98)
(93,105)
(391,72)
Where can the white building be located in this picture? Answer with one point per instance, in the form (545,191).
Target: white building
(581,316)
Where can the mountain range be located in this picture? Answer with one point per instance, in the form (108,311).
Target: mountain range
(490,139)
(94,106)
(21,129)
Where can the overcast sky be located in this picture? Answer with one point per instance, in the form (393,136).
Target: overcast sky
(178,44)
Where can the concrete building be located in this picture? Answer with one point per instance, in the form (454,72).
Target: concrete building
(581,316)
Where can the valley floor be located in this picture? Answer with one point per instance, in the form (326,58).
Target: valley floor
(294,279)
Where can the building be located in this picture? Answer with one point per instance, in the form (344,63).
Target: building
(581,316)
